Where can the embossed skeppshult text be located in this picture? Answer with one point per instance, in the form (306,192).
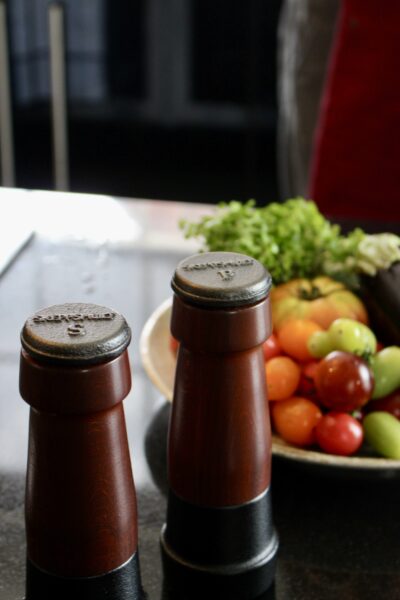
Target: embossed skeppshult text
(226,275)
(74,317)
(221,264)
(76,329)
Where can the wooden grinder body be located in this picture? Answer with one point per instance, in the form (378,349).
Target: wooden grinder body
(219,536)
(80,505)
(220,438)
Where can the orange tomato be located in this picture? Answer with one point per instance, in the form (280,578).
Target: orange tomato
(283,376)
(321,300)
(295,420)
(293,337)
(173,344)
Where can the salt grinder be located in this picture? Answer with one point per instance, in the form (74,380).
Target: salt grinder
(80,510)
(219,534)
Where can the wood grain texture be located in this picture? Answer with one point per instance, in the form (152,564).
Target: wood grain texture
(219,448)
(80,498)
(74,390)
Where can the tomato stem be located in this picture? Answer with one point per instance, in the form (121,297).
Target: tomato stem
(311,294)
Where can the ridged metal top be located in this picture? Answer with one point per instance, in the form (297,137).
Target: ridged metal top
(221,279)
(75,334)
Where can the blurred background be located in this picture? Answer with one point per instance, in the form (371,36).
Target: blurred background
(172,99)
(205,101)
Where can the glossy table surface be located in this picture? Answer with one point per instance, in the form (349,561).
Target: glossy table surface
(339,537)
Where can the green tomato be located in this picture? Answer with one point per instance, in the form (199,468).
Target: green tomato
(386,369)
(346,335)
(382,431)
(320,344)
(352,336)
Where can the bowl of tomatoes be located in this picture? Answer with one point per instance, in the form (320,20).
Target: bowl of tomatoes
(333,388)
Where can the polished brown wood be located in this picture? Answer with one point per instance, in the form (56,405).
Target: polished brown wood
(219,450)
(71,390)
(80,497)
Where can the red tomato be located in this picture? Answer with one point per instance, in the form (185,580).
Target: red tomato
(271,347)
(389,404)
(307,384)
(339,433)
(344,381)
(295,419)
(310,369)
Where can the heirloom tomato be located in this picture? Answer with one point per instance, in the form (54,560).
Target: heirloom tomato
(344,381)
(321,300)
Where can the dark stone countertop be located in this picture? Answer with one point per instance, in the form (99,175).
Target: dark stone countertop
(339,536)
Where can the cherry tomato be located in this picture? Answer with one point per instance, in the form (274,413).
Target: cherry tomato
(352,336)
(382,431)
(271,347)
(173,344)
(283,376)
(344,381)
(310,369)
(339,433)
(386,369)
(295,419)
(389,404)
(320,344)
(306,385)
(293,337)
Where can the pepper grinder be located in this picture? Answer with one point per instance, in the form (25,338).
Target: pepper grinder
(219,534)
(80,506)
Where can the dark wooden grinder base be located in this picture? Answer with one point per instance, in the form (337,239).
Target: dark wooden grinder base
(230,551)
(121,584)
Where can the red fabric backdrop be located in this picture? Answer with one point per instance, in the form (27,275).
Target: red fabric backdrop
(356,164)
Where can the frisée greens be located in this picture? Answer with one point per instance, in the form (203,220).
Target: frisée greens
(293,239)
